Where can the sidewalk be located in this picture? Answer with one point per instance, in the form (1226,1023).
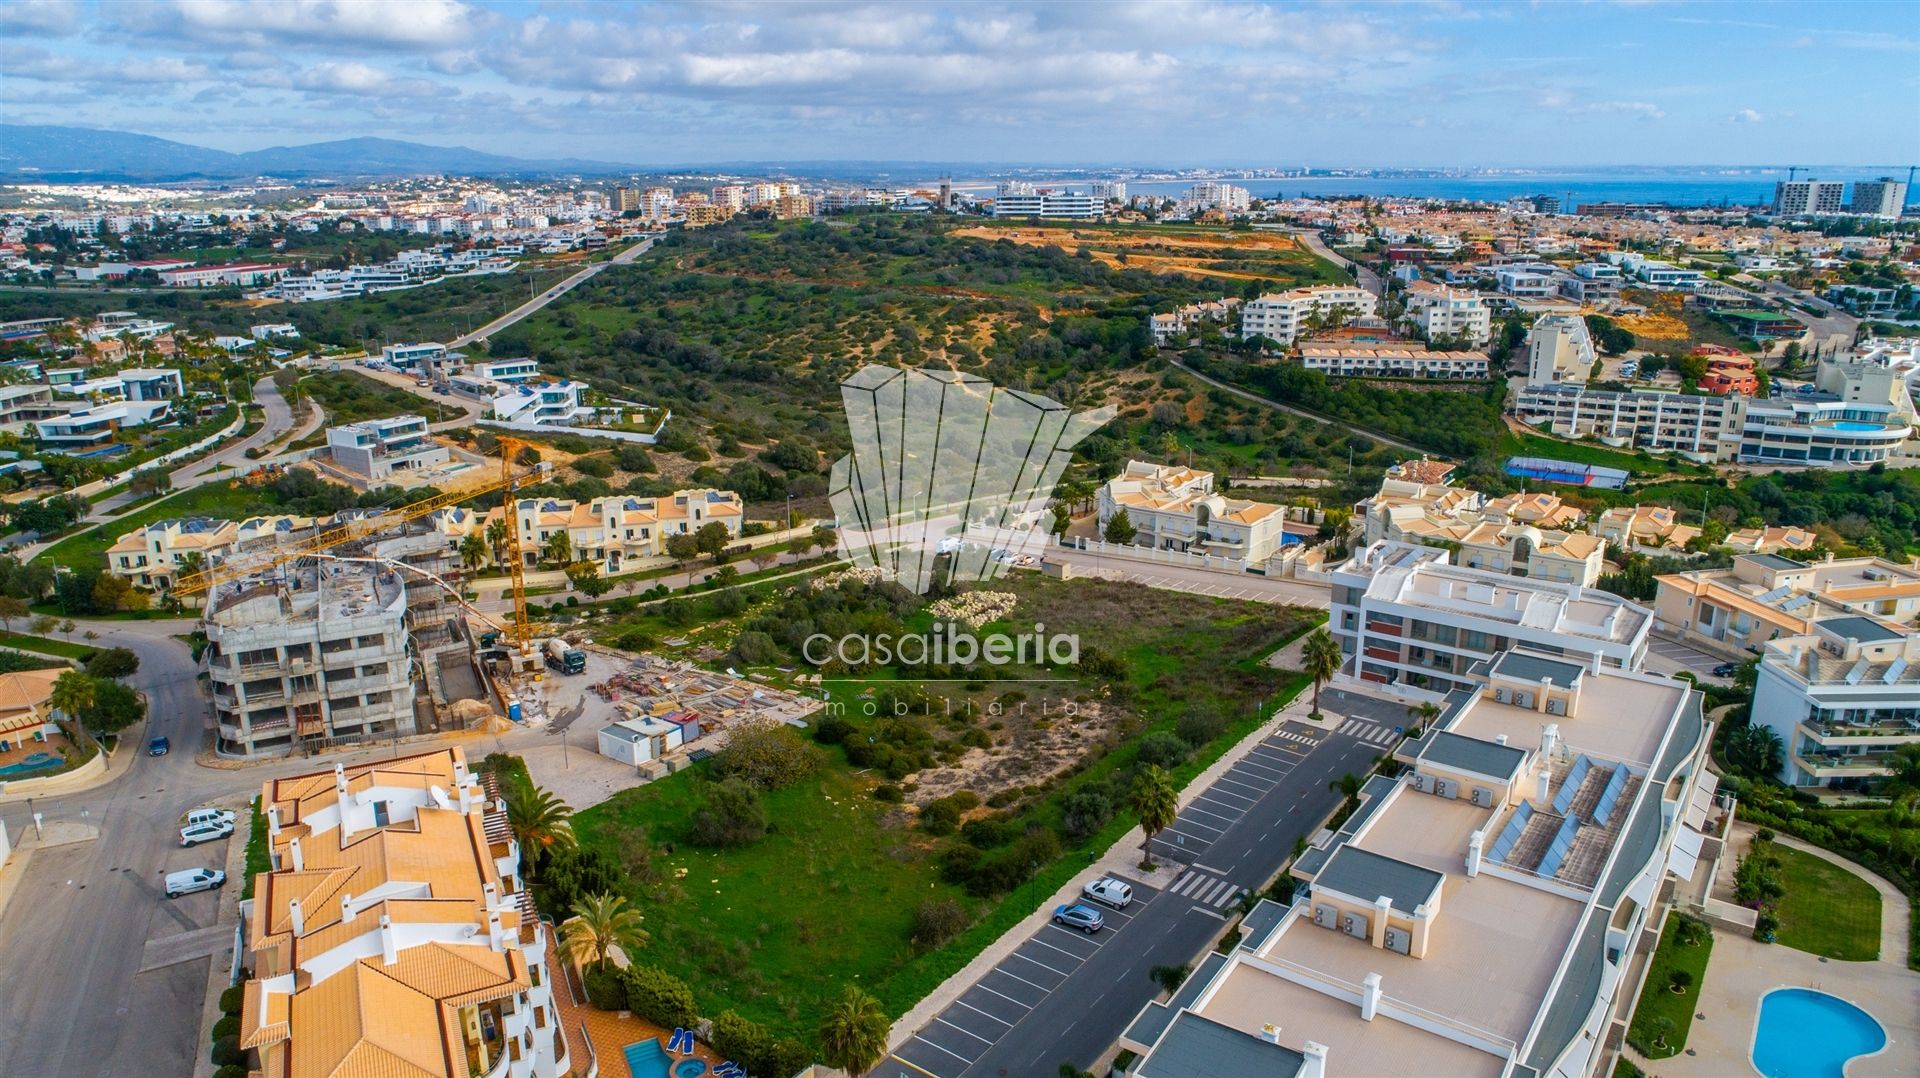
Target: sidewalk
(57,833)
(1122,857)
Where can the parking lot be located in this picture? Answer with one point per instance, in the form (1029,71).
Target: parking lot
(989,1010)
(1238,789)
(1678,657)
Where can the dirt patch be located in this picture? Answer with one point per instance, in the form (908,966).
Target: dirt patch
(1030,749)
(1152,251)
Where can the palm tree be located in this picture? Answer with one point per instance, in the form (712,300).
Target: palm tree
(1347,786)
(1423,713)
(1156,802)
(853,1035)
(599,924)
(497,539)
(1322,658)
(540,821)
(559,548)
(72,694)
(473,551)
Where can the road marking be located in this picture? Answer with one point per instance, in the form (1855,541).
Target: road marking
(1205,827)
(978,1011)
(1194,806)
(1246,785)
(1209,868)
(949,1051)
(963,1029)
(910,1063)
(1042,965)
(1215,914)
(982,987)
(1044,992)
(1214,791)
(1077,958)
(1246,761)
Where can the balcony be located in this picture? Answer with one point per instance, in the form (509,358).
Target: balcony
(1835,765)
(1840,735)
(486,1056)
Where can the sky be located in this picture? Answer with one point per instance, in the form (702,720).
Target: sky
(1410,84)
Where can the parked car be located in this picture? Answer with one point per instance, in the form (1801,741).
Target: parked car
(1725,669)
(189,880)
(1079,915)
(213,816)
(194,834)
(1113,892)
(158,746)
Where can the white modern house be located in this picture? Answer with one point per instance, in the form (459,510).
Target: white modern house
(377,448)
(1443,312)
(1843,699)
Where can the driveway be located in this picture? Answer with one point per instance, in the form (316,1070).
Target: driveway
(1225,585)
(1672,657)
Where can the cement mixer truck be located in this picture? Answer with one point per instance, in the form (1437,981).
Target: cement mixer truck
(565,658)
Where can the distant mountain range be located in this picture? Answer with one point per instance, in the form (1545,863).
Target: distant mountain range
(43,152)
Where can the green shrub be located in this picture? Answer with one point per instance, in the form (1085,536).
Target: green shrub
(743,1041)
(1161,749)
(606,988)
(227,1052)
(939,817)
(232,999)
(227,1026)
(991,832)
(231,1070)
(833,730)
(938,920)
(661,998)
(887,791)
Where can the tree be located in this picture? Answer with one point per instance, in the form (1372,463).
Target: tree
(497,535)
(767,754)
(45,624)
(1120,529)
(1156,802)
(1170,978)
(540,821)
(1348,786)
(712,539)
(115,707)
(683,547)
(1062,519)
(1756,750)
(825,538)
(12,609)
(473,551)
(558,548)
(853,1035)
(599,924)
(731,816)
(585,577)
(113,663)
(1321,658)
(73,692)
(1423,713)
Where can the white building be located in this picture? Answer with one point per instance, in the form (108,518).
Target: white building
(1884,197)
(1281,316)
(1358,361)
(1804,198)
(1208,195)
(408,356)
(1559,350)
(92,428)
(1175,508)
(1062,204)
(1441,312)
(1843,699)
(507,370)
(546,404)
(378,448)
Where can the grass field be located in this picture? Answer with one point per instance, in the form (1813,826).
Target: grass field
(1827,910)
(827,898)
(88,549)
(1600,456)
(351,397)
(1661,1009)
(65,649)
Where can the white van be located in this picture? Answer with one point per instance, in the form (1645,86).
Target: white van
(202,817)
(188,880)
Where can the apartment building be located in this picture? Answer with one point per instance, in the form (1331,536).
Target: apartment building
(1764,597)
(1879,371)
(1281,316)
(1208,195)
(1592,283)
(1413,623)
(1441,312)
(1559,351)
(1801,431)
(1528,280)
(1344,361)
(792,207)
(240,274)
(1644,529)
(376,449)
(1175,508)
(1803,198)
(1177,326)
(1026,203)
(1770,540)
(155,555)
(1844,698)
(314,656)
(1484,913)
(609,531)
(1526,536)
(394,933)
(24,404)
(1884,197)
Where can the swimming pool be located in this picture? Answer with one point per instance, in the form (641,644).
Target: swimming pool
(1857,426)
(38,761)
(649,1059)
(1801,1033)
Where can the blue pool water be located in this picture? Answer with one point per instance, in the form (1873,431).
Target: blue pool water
(1808,1034)
(39,761)
(1848,424)
(649,1059)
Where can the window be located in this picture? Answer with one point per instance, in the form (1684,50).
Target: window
(371,642)
(380,817)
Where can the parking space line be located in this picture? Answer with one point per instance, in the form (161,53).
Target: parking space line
(984,1014)
(1194,806)
(1023,1006)
(963,1029)
(1237,810)
(1243,785)
(1199,843)
(1215,791)
(1205,827)
(1044,966)
(1044,992)
(1076,957)
(949,1051)
(1247,762)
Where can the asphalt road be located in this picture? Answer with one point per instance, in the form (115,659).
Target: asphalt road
(1066,997)
(1250,586)
(551,294)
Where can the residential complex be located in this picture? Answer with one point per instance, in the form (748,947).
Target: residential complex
(1765,597)
(1176,327)
(611,530)
(1021,200)
(1413,623)
(1491,911)
(1382,361)
(1443,313)
(1175,508)
(1794,431)
(1843,698)
(376,449)
(1521,535)
(394,933)
(1802,198)
(317,655)
(1884,197)
(1644,529)
(155,555)
(1559,350)
(1282,316)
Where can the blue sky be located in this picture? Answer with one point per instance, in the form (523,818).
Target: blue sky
(1414,84)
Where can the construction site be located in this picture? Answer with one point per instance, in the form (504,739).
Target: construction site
(360,632)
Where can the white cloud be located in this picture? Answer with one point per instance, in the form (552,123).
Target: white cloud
(1746,116)
(52,18)
(363,80)
(253,23)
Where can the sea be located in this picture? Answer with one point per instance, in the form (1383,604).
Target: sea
(1706,188)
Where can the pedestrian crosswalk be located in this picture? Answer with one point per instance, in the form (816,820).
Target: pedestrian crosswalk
(1368,732)
(1292,735)
(1206,889)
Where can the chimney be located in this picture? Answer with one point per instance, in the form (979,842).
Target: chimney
(340,778)
(496,936)
(1475,843)
(1382,906)
(346,907)
(293,851)
(1270,1033)
(1549,740)
(389,945)
(466,799)
(492,892)
(1543,785)
(1499,739)
(273,820)
(1315,1065)
(299,918)
(1370,997)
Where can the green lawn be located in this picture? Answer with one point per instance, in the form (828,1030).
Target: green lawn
(1659,1003)
(1600,456)
(258,858)
(1827,910)
(65,649)
(350,397)
(88,549)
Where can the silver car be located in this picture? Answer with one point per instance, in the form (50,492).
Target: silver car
(194,834)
